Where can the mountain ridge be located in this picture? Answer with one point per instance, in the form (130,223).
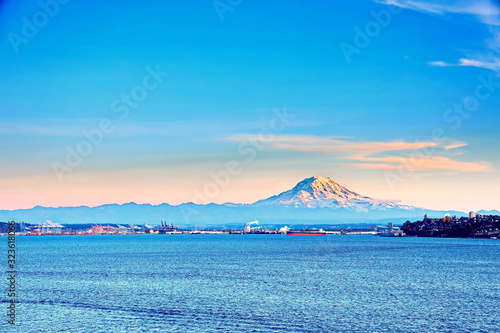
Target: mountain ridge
(313,200)
(318,191)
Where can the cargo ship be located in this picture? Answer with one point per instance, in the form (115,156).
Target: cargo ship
(306,233)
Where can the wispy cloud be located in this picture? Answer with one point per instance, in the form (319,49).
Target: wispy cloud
(455,145)
(440,63)
(73,128)
(486,12)
(373,154)
(493,63)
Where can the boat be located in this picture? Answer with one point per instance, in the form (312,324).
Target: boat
(306,233)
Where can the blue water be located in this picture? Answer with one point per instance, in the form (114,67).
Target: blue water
(256,283)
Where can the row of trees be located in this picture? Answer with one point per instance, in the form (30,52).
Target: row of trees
(486,226)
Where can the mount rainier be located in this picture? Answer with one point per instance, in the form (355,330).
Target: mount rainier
(315,200)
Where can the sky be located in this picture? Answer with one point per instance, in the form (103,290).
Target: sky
(236,101)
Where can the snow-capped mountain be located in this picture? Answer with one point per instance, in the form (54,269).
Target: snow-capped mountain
(316,192)
(315,200)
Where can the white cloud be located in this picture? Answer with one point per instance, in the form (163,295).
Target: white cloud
(439,63)
(493,63)
(486,12)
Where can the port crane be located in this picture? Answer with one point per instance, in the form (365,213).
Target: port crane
(134,228)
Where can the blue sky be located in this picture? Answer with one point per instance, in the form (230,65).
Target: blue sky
(356,122)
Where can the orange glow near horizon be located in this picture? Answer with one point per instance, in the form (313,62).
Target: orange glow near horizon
(90,190)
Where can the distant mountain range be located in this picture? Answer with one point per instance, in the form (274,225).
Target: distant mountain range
(315,200)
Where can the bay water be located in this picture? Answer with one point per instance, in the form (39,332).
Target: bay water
(255,283)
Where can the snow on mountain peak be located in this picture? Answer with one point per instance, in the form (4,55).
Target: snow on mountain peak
(318,192)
